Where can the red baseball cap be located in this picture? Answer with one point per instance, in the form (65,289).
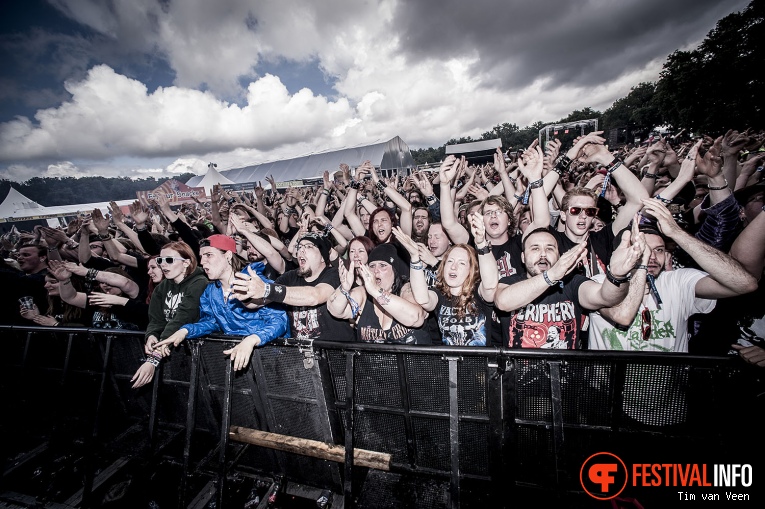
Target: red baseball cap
(222,242)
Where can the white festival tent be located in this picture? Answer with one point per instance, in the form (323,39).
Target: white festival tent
(17,207)
(211,178)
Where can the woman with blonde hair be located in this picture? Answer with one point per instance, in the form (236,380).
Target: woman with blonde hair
(465,285)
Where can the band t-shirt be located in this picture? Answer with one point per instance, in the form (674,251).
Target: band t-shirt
(315,322)
(369,330)
(473,329)
(552,320)
(601,242)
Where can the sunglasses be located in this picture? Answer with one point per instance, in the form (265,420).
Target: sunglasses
(167,259)
(589,211)
(646,327)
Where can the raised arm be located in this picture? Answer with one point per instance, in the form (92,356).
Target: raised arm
(456,232)
(66,291)
(419,286)
(487,264)
(126,285)
(726,276)
(530,165)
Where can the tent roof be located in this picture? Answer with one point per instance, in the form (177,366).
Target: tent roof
(17,206)
(390,154)
(211,178)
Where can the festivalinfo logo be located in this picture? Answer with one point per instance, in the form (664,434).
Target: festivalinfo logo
(604,476)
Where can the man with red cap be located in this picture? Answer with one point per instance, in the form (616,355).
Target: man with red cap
(221,311)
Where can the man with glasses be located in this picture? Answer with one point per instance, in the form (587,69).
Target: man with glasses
(304,291)
(654,315)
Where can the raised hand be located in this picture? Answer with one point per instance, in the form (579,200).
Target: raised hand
(568,261)
(248,286)
(99,221)
(663,216)
(347,276)
(139,213)
(629,252)
(448,169)
(477,227)
(116,212)
(241,353)
(407,242)
(711,163)
(530,165)
(58,269)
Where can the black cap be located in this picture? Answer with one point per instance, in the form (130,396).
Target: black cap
(320,242)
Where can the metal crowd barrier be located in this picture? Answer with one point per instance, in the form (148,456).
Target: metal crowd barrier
(462,427)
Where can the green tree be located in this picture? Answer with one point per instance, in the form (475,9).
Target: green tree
(718,86)
(637,112)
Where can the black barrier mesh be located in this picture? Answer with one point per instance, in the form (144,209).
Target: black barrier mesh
(471,372)
(285,373)
(336,360)
(655,395)
(474,448)
(428,382)
(533,389)
(585,391)
(384,490)
(381,432)
(432,438)
(377,380)
(533,456)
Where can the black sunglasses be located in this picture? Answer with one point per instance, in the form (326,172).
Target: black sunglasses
(589,211)
(167,259)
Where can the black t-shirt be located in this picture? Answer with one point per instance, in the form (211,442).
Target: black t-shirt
(602,242)
(508,256)
(552,320)
(473,329)
(315,322)
(369,330)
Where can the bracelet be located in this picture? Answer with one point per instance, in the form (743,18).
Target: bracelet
(52,248)
(519,198)
(431,199)
(513,180)
(486,249)
(720,188)
(644,267)
(663,200)
(550,282)
(355,184)
(650,175)
(65,281)
(152,360)
(536,184)
(267,291)
(104,236)
(325,192)
(615,280)
(418,265)
(381,185)
(328,228)
(140,228)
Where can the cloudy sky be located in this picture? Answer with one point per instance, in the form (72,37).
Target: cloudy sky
(156,87)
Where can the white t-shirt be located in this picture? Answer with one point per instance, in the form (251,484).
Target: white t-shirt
(669,325)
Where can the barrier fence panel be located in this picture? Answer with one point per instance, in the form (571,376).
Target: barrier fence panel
(450,427)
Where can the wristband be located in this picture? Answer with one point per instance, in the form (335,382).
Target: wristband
(267,291)
(519,198)
(513,180)
(325,192)
(615,280)
(278,293)
(486,249)
(720,188)
(550,282)
(562,162)
(154,361)
(381,185)
(140,228)
(105,236)
(650,175)
(52,248)
(663,200)
(355,184)
(418,265)
(536,184)
(431,199)
(644,267)
(354,305)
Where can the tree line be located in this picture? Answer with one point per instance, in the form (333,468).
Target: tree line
(52,191)
(708,90)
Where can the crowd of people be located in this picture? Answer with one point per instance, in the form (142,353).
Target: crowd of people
(654,247)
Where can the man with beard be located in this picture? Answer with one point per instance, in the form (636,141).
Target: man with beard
(259,248)
(421,220)
(548,304)
(304,291)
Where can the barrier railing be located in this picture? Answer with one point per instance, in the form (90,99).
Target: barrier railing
(450,427)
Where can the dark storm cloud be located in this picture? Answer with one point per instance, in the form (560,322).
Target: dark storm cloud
(577,42)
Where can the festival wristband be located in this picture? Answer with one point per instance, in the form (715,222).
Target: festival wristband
(278,293)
